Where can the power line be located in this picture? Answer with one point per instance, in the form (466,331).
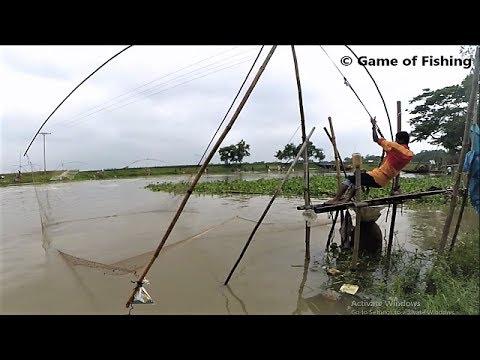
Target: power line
(152,81)
(44,159)
(231,106)
(142,92)
(156,93)
(85,115)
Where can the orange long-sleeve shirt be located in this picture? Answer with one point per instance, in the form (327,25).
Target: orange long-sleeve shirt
(398,156)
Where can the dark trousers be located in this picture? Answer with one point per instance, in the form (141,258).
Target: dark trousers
(365,179)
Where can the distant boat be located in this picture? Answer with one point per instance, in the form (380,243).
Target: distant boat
(424,169)
(333,167)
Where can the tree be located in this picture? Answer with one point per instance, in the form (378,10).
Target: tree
(437,155)
(290,151)
(366,158)
(440,119)
(234,153)
(374,158)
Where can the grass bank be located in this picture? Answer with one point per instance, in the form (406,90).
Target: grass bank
(40,177)
(423,284)
(320,186)
(127,173)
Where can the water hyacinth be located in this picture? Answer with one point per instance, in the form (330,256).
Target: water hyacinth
(320,187)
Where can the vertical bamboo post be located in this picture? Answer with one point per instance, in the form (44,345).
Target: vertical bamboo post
(396,185)
(200,173)
(467,178)
(338,153)
(357,163)
(459,219)
(338,163)
(399,128)
(335,151)
(306,175)
(466,136)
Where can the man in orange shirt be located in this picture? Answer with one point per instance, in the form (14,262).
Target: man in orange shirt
(398,156)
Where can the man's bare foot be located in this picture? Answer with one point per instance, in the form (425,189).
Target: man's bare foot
(336,202)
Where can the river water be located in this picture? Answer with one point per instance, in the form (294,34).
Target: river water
(94,230)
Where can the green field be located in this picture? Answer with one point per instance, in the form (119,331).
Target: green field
(125,173)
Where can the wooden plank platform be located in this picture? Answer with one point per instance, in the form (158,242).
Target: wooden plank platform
(396,199)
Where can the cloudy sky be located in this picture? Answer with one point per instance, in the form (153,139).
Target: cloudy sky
(165,102)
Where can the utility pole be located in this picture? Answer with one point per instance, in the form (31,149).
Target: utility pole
(44,161)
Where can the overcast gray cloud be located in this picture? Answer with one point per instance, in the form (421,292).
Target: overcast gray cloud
(165,102)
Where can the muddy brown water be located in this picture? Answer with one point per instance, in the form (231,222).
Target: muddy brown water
(107,226)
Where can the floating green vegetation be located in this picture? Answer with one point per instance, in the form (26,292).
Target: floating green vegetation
(320,187)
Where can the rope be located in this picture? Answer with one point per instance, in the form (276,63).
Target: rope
(379,92)
(349,85)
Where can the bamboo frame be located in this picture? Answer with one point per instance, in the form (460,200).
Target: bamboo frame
(200,173)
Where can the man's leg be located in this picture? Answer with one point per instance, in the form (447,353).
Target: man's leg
(365,180)
(343,187)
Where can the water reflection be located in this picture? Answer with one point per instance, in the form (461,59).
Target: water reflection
(240,301)
(426,227)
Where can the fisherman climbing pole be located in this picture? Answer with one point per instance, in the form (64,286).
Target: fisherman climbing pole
(346,219)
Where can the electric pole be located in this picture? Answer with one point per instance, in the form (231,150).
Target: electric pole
(44,161)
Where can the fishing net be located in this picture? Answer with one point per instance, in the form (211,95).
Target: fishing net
(125,221)
(115,226)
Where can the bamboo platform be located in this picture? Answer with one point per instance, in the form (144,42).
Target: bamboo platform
(395,199)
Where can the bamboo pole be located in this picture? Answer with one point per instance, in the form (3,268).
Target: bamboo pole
(201,171)
(467,180)
(321,208)
(399,128)
(466,136)
(306,175)
(357,162)
(338,153)
(257,225)
(396,184)
(338,162)
(459,219)
(330,234)
(335,151)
